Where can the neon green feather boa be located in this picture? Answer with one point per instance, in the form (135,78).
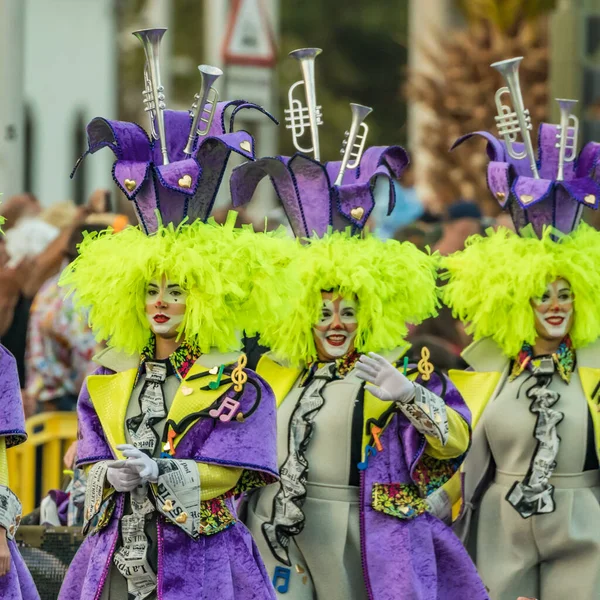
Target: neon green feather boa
(230,275)
(394,283)
(491,282)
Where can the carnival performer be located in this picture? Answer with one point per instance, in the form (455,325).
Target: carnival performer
(350,520)
(531,514)
(172,425)
(16,582)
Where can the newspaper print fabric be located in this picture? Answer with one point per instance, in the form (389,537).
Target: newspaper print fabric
(177,494)
(153,409)
(10,511)
(427,413)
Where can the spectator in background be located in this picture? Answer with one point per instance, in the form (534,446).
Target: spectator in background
(463,220)
(60,345)
(408,207)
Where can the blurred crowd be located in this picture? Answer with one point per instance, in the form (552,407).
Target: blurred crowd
(52,342)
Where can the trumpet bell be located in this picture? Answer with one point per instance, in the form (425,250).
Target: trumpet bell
(299,115)
(515,121)
(567,134)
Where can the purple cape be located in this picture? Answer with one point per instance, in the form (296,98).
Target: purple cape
(225,564)
(412,556)
(17,584)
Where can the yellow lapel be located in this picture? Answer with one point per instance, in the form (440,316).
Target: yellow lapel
(476,388)
(110,396)
(281,379)
(194,399)
(374,407)
(589,380)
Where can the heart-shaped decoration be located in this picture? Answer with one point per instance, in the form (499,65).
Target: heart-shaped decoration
(240,417)
(500,195)
(185,182)
(526,198)
(130,184)
(186,391)
(182,518)
(214,370)
(168,505)
(357,213)
(246,146)
(590,199)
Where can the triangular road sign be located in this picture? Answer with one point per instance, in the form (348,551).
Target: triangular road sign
(249,37)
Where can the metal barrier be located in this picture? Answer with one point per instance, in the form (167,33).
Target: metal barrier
(36,466)
(48,552)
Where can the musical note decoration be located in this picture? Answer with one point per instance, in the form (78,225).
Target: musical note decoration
(226,411)
(214,385)
(282,573)
(376,432)
(424,366)
(238,375)
(369,451)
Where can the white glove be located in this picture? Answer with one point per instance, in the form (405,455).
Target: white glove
(122,478)
(383,379)
(146,467)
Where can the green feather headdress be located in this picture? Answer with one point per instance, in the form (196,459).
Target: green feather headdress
(230,275)
(394,283)
(491,282)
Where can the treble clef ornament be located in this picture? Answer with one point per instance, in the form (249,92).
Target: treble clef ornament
(239,378)
(424,366)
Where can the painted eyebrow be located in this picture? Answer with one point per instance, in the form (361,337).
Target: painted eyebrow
(174,285)
(153,285)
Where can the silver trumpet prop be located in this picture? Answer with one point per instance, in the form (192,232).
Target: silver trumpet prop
(567,135)
(154,97)
(511,123)
(298,116)
(204,102)
(353,145)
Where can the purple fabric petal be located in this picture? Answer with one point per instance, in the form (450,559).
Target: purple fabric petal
(588,160)
(529,191)
(182,176)
(498,179)
(246,178)
(355,202)
(126,140)
(312,183)
(177,128)
(495,148)
(130,176)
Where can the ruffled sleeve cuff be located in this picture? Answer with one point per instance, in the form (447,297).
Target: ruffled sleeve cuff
(10,511)
(99,498)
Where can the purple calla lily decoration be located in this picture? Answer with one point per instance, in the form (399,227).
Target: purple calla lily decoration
(188,185)
(544,201)
(311,200)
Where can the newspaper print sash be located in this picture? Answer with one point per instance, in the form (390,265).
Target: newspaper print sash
(10,511)
(131,559)
(535,495)
(288,519)
(427,413)
(177,493)
(153,409)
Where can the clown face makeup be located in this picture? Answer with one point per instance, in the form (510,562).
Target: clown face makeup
(554,311)
(335,332)
(165,307)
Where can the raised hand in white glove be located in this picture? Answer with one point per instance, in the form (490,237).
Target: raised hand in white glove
(147,467)
(122,478)
(383,379)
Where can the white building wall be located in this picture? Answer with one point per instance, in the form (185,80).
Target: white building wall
(70,68)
